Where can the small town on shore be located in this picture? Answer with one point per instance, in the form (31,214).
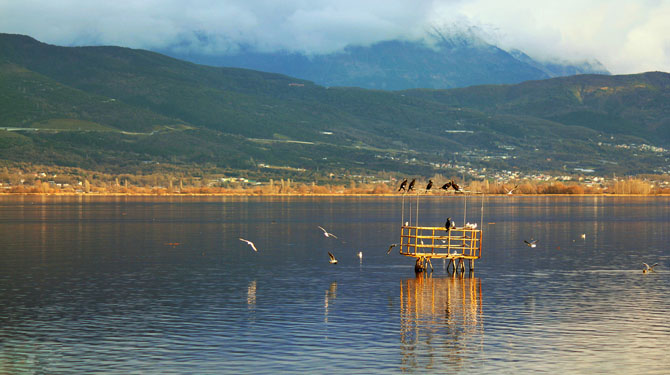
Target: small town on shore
(61,180)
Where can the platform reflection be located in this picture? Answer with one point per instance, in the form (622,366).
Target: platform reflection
(440,320)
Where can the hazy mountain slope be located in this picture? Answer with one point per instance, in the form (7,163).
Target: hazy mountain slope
(117,108)
(455,61)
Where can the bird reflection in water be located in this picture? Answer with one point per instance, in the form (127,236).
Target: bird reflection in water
(331,294)
(440,320)
(251,294)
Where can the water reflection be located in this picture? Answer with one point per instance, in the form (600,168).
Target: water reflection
(251,294)
(440,317)
(97,285)
(331,294)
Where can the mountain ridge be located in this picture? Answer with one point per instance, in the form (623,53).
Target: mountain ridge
(442,61)
(114,109)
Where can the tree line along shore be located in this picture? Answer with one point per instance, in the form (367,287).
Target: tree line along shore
(13,182)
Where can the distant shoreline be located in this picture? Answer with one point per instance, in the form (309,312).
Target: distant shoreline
(2,194)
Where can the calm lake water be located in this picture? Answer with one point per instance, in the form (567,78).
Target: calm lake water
(131,285)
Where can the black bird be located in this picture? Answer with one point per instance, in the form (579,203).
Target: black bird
(411,185)
(455,186)
(430,184)
(446,186)
(419,265)
(402,185)
(447,225)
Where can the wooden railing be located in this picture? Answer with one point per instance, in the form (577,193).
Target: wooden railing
(436,242)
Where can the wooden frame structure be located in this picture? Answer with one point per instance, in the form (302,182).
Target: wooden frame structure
(426,243)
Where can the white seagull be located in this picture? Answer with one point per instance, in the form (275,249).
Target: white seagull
(325,233)
(332,258)
(648,268)
(391,247)
(250,243)
(531,243)
(360,254)
(511,191)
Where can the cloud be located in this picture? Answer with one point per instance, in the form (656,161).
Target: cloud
(216,26)
(627,37)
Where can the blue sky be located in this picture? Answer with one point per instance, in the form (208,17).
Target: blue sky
(626,36)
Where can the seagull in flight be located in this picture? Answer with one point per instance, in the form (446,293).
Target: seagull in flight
(332,258)
(402,185)
(391,247)
(325,233)
(648,268)
(531,243)
(511,191)
(249,243)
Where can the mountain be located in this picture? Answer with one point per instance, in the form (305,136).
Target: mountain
(121,110)
(561,68)
(456,60)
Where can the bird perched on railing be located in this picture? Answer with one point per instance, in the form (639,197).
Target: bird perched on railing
(411,185)
(402,185)
(448,225)
(430,185)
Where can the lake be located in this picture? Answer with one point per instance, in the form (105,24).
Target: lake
(163,285)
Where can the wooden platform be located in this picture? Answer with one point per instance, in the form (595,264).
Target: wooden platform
(456,245)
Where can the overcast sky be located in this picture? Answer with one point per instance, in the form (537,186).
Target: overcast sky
(626,36)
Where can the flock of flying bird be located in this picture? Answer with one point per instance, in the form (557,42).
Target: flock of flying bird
(327,234)
(532,243)
(647,268)
(403,187)
(451,184)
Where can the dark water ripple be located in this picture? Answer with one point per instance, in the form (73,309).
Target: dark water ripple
(164,286)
